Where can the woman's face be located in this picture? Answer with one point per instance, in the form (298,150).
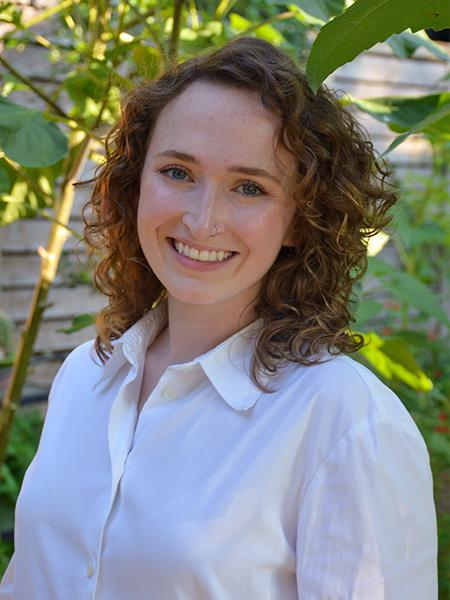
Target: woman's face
(211,166)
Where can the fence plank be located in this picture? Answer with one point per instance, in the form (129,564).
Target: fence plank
(63,302)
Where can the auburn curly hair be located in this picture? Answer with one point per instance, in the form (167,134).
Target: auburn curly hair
(341,194)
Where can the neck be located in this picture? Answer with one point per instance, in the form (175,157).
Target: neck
(194,329)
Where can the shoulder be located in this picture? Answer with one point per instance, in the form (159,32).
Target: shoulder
(83,355)
(81,363)
(344,392)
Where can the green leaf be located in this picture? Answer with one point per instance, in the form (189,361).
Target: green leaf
(438,443)
(27,138)
(427,114)
(392,359)
(407,288)
(400,114)
(436,125)
(367,309)
(270,34)
(322,9)
(239,23)
(379,267)
(87,84)
(404,287)
(365,23)
(405,44)
(304,17)
(5,183)
(79,322)
(223,8)
(147,61)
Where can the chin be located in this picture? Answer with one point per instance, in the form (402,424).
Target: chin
(200,297)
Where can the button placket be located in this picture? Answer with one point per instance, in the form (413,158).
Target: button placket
(90,569)
(169,393)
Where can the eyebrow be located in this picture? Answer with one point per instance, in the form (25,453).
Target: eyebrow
(251,171)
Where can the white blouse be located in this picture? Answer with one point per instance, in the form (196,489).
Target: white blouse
(321,490)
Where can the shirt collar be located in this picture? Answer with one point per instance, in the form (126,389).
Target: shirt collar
(227,365)
(133,343)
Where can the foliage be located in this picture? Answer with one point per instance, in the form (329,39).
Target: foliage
(21,449)
(365,23)
(428,114)
(404,298)
(95,52)
(27,138)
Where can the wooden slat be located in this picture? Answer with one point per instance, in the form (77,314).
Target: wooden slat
(421,55)
(42,373)
(82,195)
(50,340)
(391,71)
(65,302)
(377,89)
(29,234)
(21,270)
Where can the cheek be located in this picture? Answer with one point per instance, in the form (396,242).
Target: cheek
(154,207)
(264,230)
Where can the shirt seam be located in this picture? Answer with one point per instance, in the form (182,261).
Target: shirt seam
(346,433)
(375,414)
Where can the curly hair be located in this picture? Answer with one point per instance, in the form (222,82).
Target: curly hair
(341,194)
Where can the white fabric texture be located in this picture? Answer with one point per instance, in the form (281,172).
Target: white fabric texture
(321,490)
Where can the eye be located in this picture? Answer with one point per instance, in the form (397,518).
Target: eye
(251,189)
(176,173)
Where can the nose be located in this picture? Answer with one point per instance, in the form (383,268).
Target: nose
(204,213)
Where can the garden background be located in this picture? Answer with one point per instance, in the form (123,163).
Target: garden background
(64,67)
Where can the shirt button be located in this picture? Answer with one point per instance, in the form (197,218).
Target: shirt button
(89,569)
(169,393)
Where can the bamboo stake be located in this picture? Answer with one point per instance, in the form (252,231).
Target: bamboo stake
(50,256)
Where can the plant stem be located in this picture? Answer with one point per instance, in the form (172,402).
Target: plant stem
(32,87)
(34,185)
(138,19)
(280,17)
(50,256)
(49,263)
(175,34)
(53,219)
(53,10)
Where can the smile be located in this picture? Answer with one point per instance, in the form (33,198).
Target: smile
(201,255)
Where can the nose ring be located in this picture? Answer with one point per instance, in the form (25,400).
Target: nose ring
(217,230)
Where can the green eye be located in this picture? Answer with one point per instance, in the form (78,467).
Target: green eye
(176,173)
(251,189)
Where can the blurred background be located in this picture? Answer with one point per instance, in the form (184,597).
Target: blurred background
(64,67)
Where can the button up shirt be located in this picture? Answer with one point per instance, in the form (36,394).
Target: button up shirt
(320,490)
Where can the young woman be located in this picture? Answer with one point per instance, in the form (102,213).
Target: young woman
(213,442)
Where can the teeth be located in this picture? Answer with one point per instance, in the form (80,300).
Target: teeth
(201,255)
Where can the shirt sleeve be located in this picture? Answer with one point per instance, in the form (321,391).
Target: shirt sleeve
(367,521)
(7,581)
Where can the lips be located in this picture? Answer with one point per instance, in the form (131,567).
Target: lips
(201,255)
(200,264)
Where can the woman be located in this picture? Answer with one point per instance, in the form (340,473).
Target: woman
(223,447)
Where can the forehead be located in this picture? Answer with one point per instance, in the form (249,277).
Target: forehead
(217,121)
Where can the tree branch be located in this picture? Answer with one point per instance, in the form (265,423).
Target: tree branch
(175,34)
(35,89)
